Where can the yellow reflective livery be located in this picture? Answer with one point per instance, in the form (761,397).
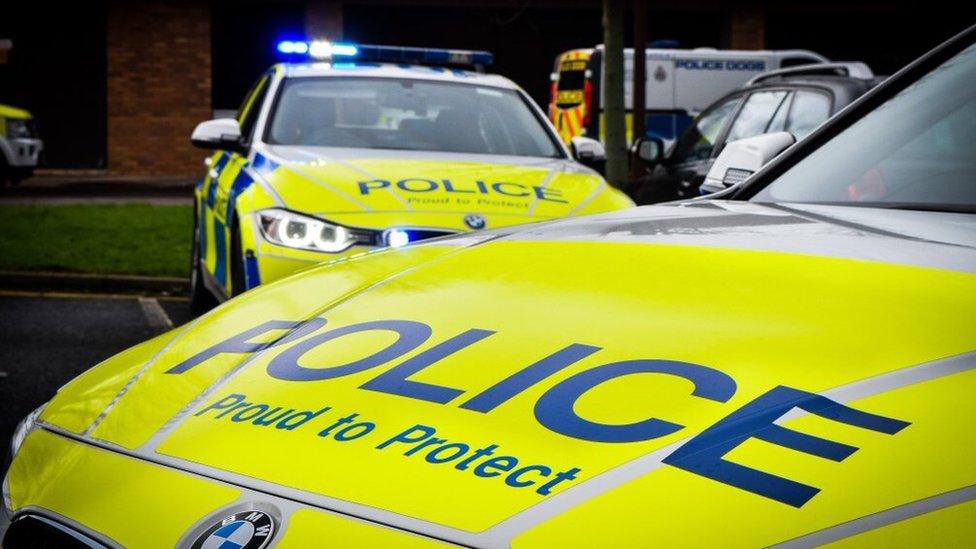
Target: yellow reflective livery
(699,375)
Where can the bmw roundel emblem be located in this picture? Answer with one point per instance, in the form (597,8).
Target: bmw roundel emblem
(475,221)
(244,530)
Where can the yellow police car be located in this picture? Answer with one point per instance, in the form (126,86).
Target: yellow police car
(329,158)
(793,366)
(20,148)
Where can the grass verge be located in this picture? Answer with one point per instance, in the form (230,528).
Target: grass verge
(140,239)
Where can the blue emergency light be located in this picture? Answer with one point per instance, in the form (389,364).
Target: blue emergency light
(325,51)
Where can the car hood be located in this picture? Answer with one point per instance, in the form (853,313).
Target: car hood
(631,368)
(376,188)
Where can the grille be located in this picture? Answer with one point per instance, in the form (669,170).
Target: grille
(37,532)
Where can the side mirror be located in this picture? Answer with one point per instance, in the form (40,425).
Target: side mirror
(648,149)
(740,159)
(589,152)
(221,133)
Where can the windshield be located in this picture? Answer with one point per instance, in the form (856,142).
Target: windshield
(915,151)
(387,113)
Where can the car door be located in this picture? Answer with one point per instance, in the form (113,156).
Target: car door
(669,180)
(693,153)
(226,167)
(808,110)
(759,111)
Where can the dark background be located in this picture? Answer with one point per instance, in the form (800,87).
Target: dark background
(57,69)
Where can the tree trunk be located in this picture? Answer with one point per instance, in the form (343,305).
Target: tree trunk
(615,131)
(639,124)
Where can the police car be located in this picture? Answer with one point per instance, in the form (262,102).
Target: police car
(20,148)
(792,366)
(347,152)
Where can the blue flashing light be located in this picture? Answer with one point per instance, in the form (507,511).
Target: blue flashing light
(325,50)
(293,47)
(344,50)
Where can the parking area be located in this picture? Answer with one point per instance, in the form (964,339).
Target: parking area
(47,339)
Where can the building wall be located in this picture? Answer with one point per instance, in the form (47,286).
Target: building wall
(747,28)
(159,80)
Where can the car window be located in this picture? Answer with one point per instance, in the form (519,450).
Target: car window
(247,115)
(390,113)
(698,141)
(778,123)
(917,150)
(572,78)
(756,114)
(809,110)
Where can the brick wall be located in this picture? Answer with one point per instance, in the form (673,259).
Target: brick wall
(747,28)
(158,86)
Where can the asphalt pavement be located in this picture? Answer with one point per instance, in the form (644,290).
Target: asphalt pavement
(48,339)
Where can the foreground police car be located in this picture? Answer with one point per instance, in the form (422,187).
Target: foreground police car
(794,369)
(326,160)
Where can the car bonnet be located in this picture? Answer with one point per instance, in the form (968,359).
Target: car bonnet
(357,186)
(639,371)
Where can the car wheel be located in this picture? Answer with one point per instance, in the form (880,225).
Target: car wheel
(201,300)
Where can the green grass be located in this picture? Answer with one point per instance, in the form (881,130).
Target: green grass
(139,239)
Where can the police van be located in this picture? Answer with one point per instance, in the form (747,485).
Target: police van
(680,84)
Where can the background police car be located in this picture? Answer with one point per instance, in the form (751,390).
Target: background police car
(326,160)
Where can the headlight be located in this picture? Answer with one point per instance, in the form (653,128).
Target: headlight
(23,429)
(306,232)
(18,127)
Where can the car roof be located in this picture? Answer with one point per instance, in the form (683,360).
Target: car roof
(844,89)
(391,70)
(823,80)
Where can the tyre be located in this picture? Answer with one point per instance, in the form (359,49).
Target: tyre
(201,300)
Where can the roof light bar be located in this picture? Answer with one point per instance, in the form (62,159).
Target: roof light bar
(402,54)
(292,47)
(325,50)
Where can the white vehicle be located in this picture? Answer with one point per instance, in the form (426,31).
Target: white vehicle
(680,84)
(20,147)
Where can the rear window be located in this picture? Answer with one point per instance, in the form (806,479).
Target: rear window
(572,78)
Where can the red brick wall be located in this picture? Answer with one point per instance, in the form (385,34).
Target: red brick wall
(748,28)
(158,86)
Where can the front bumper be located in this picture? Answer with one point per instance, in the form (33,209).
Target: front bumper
(122,500)
(21,152)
